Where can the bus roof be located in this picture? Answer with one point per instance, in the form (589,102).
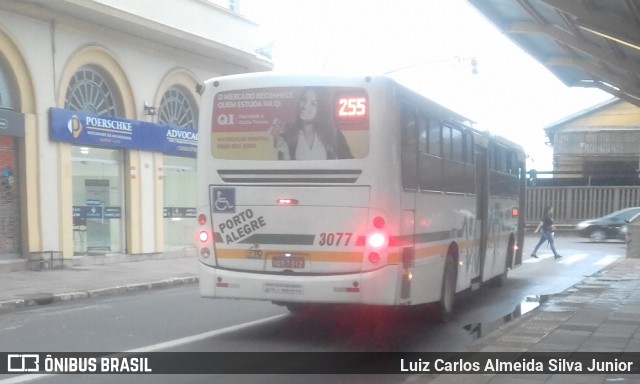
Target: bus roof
(256,77)
(328,77)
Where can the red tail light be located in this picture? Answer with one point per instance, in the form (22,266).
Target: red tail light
(374,258)
(377,240)
(203,236)
(379,222)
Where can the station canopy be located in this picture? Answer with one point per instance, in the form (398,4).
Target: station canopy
(585,43)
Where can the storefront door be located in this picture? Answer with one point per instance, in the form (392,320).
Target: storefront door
(97,201)
(179,202)
(9,201)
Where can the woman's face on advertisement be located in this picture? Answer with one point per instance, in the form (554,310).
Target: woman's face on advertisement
(308,106)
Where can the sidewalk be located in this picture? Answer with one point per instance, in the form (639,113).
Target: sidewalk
(26,288)
(600,314)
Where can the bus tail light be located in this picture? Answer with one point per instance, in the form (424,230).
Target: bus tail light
(203,237)
(376,240)
(514,212)
(374,257)
(379,222)
(202,219)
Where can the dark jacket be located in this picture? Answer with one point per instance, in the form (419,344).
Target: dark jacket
(547,223)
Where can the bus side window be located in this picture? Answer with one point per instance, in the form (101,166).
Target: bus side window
(430,166)
(512,163)
(493,158)
(513,171)
(434,138)
(446,142)
(453,166)
(409,131)
(469,153)
(502,160)
(469,159)
(409,154)
(500,177)
(457,145)
(423,138)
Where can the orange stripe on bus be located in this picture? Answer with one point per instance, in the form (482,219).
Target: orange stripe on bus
(334,257)
(348,257)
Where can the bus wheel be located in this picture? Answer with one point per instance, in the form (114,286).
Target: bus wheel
(445,307)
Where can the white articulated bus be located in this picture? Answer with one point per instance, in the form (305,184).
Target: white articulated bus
(352,190)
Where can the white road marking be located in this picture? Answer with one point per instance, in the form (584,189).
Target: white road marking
(607,260)
(191,339)
(567,260)
(539,259)
(159,346)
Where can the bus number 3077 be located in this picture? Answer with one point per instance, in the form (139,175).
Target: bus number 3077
(335,238)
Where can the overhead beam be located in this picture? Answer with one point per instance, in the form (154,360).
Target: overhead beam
(531,11)
(615,92)
(607,24)
(620,82)
(623,63)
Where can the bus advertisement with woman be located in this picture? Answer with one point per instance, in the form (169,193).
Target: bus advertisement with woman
(350,190)
(268,124)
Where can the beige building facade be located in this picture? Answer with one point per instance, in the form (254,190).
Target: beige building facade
(97,71)
(599,145)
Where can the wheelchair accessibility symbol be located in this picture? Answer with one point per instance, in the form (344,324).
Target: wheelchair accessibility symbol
(224,200)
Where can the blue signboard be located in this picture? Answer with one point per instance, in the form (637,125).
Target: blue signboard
(112,132)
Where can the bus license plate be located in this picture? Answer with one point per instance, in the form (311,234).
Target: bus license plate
(287,262)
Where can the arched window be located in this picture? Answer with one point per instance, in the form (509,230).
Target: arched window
(177,110)
(7,87)
(91,91)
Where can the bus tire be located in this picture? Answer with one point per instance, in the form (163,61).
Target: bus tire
(445,306)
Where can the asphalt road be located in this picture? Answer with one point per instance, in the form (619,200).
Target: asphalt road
(177,319)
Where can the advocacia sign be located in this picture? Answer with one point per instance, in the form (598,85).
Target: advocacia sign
(104,131)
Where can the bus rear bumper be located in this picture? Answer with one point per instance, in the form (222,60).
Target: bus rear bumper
(371,288)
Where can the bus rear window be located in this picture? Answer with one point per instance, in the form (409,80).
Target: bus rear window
(294,123)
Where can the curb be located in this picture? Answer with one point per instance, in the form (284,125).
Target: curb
(49,298)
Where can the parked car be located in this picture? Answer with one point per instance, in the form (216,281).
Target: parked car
(611,226)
